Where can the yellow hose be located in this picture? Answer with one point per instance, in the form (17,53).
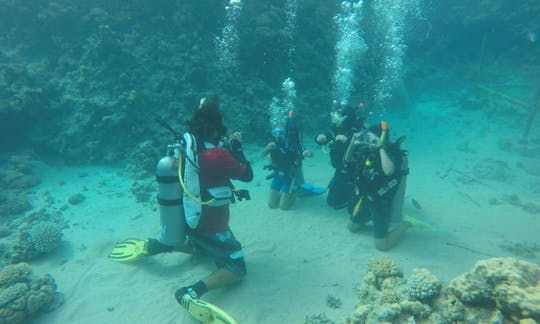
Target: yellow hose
(186,191)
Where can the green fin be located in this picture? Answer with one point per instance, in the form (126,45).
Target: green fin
(129,250)
(205,312)
(415,222)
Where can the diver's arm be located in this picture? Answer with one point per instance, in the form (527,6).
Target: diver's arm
(238,154)
(387,164)
(268,148)
(324,138)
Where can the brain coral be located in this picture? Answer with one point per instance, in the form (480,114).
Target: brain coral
(45,237)
(14,273)
(22,295)
(422,285)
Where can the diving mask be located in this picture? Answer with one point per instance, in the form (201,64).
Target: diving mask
(337,118)
(278,133)
(372,140)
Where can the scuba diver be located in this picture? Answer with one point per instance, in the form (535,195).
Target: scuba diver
(286,154)
(380,169)
(195,191)
(345,123)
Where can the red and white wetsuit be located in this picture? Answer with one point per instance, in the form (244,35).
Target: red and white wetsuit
(216,167)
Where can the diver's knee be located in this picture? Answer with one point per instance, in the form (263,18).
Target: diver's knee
(382,244)
(354,227)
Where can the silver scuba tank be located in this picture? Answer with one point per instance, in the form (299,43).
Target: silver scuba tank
(396,206)
(171,213)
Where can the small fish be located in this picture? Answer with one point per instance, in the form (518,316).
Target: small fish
(531,37)
(416,204)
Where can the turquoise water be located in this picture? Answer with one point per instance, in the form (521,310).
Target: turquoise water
(81,84)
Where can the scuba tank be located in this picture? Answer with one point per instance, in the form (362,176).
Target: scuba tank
(396,205)
(171,213)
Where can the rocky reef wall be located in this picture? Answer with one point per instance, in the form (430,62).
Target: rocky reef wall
(74,76)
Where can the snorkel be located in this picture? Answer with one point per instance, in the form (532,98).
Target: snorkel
(384,131)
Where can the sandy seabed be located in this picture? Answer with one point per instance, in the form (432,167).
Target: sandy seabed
(295,258)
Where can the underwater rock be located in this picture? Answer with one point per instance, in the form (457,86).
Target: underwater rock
(333,301)
(491,169)
(76,199)
(23,295)
(531,167)
(526,250)
(13,179)
(529,150)
(512,199)
(18,172)
(15,202)
(318,319)
(531,208)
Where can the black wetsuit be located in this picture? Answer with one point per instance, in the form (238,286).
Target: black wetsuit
(341,186)
(374,191)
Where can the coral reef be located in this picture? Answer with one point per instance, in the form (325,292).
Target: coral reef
(497,290)
(422,285)
(79,86)
(14,202)
(37,240)
(23,295)
(509,284)
(383,268)
(17,174)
